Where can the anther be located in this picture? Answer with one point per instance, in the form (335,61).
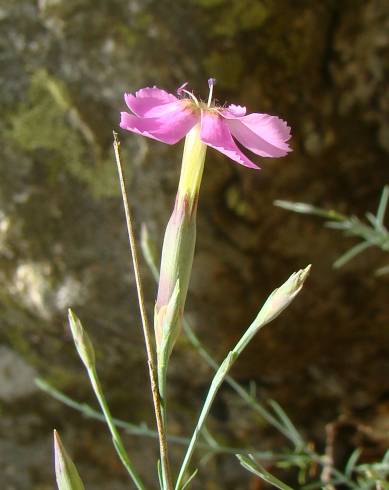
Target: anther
(211,83)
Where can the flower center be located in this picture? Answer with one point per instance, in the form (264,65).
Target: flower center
(195,101)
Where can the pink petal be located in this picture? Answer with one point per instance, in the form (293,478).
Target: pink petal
(234,111)
(169,128)
(215,133)
(262,134)
(148,99)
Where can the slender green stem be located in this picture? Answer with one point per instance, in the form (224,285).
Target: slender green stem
(278,300)
(382,207)
(163,448)
(214,388)
(340,477)
(238,388)
(117,441)
(150,258)
(143,431)
(250,400)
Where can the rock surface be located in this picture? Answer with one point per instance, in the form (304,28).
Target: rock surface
(63,70)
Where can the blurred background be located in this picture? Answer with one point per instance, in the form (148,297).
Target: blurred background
(64,67)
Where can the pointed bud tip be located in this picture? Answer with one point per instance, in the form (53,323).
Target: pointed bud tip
(296,281)
(59,451)
(55,436)
(65,471)
(72,316)
(75,324)
(303,274)
(281,297)
(58,446)
(82,341)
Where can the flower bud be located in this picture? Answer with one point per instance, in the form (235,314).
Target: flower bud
(179,244)
(82,341)
(281,297)
(65,471)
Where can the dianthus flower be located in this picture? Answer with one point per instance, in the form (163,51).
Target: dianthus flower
(164,117)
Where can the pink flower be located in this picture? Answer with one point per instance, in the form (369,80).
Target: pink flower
(164,117)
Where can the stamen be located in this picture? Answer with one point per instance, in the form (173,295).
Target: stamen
(191,96)
(211,83)
(181,90)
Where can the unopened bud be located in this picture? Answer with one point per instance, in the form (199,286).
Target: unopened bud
(283,296)
(65,470)
(82,341)
(178,246)
(176,265)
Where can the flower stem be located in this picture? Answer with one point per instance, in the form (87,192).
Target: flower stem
(143,431)
(288,290)
(242,392)
(117,441)
(163,448)
(151,260)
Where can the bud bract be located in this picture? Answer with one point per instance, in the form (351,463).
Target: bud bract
(65,471)
(82,341)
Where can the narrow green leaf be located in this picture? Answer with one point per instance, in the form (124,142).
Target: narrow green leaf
(223,370)
(288,424)
(160,477)
(254,467)
(305,208)
(372,220)
(350,254)
(385,459)
(186,484)
(382,206)
(352,461)
(319,484)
